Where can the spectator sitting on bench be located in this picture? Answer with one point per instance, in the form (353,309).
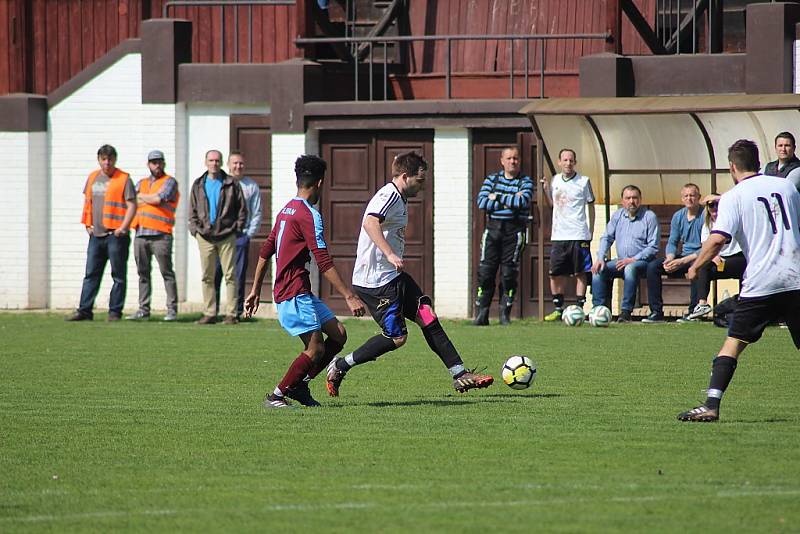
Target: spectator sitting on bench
(685,229)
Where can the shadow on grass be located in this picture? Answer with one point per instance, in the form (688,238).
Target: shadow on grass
(501,397)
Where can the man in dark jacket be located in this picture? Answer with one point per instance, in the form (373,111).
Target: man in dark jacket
(787,165)
(217,215)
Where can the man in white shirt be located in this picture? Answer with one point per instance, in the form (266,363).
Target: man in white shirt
(390,294)
(762,213)
(569,193)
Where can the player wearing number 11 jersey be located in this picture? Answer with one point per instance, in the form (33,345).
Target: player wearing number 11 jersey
(762,213)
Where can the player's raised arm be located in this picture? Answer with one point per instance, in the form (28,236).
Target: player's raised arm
(372,226)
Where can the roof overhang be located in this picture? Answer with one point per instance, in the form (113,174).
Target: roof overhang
(660,143)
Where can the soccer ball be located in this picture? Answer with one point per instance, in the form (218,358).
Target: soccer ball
(599,316)
(573,316)
(519,372)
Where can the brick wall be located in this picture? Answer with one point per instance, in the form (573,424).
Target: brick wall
(452,156)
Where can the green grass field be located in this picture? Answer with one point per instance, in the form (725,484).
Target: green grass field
(159,427)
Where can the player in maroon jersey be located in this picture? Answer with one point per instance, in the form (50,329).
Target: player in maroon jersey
(297,233)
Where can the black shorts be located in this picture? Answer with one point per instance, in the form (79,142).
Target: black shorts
(753,315)
(391,304)
(570,257)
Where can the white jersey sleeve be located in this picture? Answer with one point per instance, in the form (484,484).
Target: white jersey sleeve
(761,214)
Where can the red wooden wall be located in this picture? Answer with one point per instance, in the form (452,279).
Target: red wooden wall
(43,43)
(486,17)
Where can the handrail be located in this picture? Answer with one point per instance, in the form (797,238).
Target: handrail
(542,38)
(170,3)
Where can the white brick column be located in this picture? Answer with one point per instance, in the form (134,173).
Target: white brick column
(452,220)
(23,215)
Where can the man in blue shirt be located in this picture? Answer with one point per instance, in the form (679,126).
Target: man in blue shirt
(506,197)
(636,232)
(252,198)
(217,214)
(685,228)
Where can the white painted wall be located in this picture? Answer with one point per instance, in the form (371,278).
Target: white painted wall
(452,157)
(23,217)
(107,109)
(118,117)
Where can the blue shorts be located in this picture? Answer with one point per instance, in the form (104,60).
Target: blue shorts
(303,313)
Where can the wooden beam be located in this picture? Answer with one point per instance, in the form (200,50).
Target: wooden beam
(643,27)
(614,26)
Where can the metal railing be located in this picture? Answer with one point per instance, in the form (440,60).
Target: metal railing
(384,41)
(675,17)
(222,4)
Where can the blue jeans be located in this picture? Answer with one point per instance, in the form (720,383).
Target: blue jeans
(242,260)
(654,284)
(631,273)
(101,249)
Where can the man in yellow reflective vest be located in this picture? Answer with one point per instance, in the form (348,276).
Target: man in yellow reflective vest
(108,210)
(157,198)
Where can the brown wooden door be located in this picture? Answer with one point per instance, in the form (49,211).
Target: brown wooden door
(251,135)
(359,163)
(487,146)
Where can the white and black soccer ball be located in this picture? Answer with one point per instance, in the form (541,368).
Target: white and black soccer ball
(600,316)
(518,372)
(573,315)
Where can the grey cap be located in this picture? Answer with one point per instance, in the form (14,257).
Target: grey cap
(155,154)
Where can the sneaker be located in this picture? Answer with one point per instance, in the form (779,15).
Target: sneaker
(701,414)
(274,401)
(624,317)
(335,377)
(302,395)
(230,319)
(687,318)
(79,316)
(138,316)
(699,311)
(113,316)
(555,315)
(171,316)
(655,317)
(471,380)
(206,319)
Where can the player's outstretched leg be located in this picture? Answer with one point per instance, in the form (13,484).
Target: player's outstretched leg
(722,371)
(439,342)
(369,351)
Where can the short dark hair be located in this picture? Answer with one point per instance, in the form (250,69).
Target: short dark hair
(744,155)
(631,187)
(309,170)
(785,135)
(690,184)
(214,150)
(409,163)
(107,151)
(574,155)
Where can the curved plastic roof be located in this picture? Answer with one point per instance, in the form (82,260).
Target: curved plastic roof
(660,143)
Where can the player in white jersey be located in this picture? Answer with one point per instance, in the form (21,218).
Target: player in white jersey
(390,294)
(569,193)
(762,213)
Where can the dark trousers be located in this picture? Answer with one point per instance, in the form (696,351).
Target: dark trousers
(242,260)
(734,268)
(501,246)
(160,246)
(655,270)
(101,249)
